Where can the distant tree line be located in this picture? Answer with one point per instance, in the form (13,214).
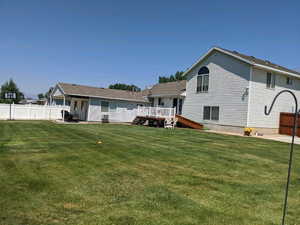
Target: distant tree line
(173,77)
(46,95)
(10,87)
(126,87)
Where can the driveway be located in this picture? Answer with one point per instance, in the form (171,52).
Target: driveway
(274,137)
(281,138)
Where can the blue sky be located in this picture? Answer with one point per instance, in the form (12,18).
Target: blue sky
(102,42)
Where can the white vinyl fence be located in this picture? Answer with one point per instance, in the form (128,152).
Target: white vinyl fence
(31,112)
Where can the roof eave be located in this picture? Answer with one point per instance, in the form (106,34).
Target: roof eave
(166,95)
(122,99)
(60,87)
(259,66)
(57,86)
(220,50)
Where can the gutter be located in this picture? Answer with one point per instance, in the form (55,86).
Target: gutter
(122,99)
(275,70)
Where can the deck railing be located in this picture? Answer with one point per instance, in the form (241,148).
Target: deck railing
(157,112)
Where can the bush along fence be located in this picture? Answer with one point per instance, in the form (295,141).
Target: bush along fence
(31,112)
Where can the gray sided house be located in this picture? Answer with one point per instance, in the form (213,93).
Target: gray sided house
(227,90)
(170,95)
(93,103)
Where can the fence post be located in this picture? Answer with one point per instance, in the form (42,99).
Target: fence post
(63,115)
(9,111)
(29,111)
(14,111)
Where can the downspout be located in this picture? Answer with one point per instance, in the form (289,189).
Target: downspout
(64,104)
(249,96)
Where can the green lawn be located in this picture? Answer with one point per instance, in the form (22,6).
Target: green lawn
(58,174)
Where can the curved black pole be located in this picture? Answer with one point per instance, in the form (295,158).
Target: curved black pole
(267,112)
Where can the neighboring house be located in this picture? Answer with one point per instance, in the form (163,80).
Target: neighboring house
(33,101)
(93,103)
(170,95)
(228,90)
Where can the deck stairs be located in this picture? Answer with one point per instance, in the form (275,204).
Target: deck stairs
(185,122)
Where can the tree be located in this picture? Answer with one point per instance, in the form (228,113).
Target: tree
(47,94)
(126,87)
(173,77)
(10,86)
(41,96)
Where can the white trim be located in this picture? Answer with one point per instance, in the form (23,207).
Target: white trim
(235,56)
(57,87)
(89,110)
(61,89)
(249,95)
(167,96)
(217,49)
(241,59)
(64,105)
(92,96)
(202,83)
(275,70)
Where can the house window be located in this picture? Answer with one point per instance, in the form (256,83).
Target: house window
(215,113)
(112,107)
(104,106)
(83,104)
(271,80)
(160,102)
(151,100)
(211,113)
(75,105)
(206,113)
(289,81)
(203,79)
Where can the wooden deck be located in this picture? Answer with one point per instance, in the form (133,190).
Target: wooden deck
(159,122)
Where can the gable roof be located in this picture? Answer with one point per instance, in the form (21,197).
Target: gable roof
(175,88)
(88,91)
(256,62)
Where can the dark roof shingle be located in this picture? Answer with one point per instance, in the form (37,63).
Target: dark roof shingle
(261,61)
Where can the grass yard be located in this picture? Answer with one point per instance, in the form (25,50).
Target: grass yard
(58,174)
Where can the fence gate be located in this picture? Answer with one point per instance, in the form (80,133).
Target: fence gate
(286,124)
